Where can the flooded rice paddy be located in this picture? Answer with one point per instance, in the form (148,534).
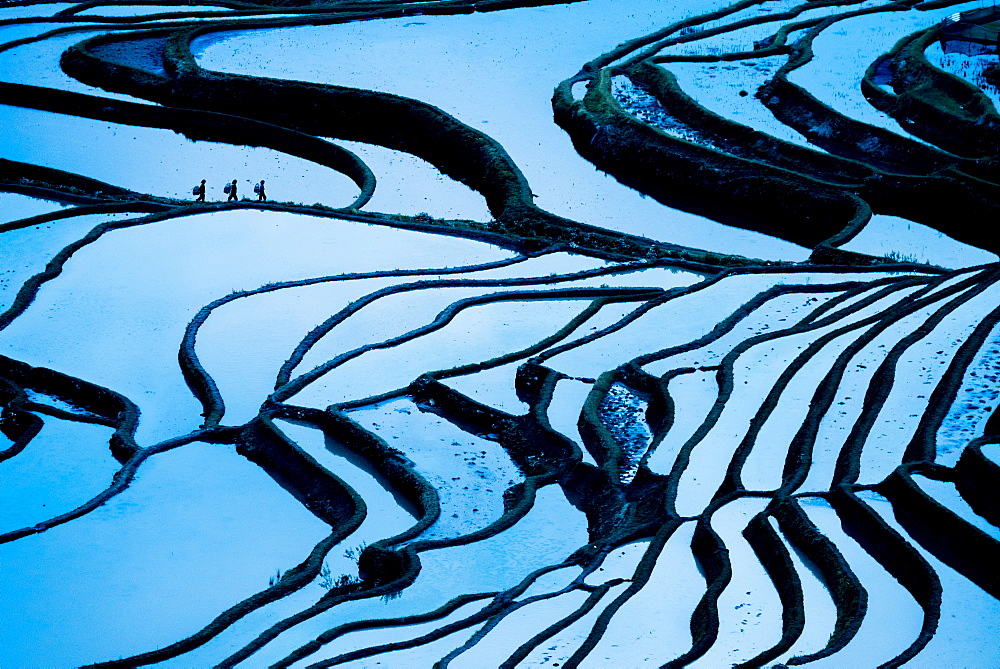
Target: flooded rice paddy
(585,334)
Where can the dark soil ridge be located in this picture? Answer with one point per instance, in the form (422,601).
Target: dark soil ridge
(202,384)
(196,126)
(743,193)
(387,569)
(413,127)
(65,187)
(707,547)
(751,180)
(883,543)
(935,105)
(322,11)
(850,601)
(287,386)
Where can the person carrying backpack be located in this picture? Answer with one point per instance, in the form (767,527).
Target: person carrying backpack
(199,191)
(259,189)
(231,189)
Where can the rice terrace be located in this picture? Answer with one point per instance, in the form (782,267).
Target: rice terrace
(596,333)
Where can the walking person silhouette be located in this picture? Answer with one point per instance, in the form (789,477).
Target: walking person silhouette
(232,191)
(259,189)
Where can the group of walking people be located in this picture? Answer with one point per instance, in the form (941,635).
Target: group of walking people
(230,188)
